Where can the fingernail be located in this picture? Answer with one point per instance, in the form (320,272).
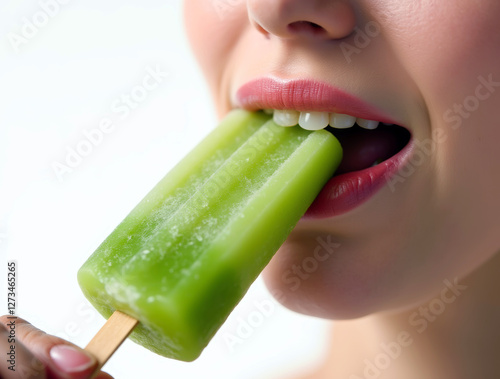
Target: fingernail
(70,359)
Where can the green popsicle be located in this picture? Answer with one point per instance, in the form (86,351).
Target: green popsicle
(187,253)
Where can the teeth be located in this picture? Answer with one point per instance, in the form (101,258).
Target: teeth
(341,121)
(286,117)
(313,120)
(319,120)
(367,124)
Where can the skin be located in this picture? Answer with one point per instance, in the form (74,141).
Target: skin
(426,67)
(33,358)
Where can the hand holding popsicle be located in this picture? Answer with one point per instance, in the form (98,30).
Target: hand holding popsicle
(185,256)
(41,355)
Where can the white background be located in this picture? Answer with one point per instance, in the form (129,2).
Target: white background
(62,80)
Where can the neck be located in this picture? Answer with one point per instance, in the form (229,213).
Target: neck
(455,334)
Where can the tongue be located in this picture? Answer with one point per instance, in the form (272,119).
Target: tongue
(365,148)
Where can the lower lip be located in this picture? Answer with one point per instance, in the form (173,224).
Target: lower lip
(345,192)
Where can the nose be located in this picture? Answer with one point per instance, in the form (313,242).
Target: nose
(288,19)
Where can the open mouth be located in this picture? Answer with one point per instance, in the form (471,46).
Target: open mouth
(367,148)
(372,152)
(365,143)
(374,147)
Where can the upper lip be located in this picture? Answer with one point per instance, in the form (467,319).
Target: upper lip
(304,95)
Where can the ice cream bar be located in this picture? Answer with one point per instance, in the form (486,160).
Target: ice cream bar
(187,253)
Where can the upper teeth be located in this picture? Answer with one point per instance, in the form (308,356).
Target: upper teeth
(319,120)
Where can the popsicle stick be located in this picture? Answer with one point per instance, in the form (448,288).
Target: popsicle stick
(111,336)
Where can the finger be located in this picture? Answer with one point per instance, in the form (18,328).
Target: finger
(102,375)
(61,359)
(20,362)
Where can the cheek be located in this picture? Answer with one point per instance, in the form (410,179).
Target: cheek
(201,28)
(443,46)
(455,61)
(462,87)
(447,48)
(213,29)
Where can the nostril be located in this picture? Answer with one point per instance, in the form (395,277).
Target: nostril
(295,19)
(306,27)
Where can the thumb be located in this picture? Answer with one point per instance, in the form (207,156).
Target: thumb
(20,362)
(62,360)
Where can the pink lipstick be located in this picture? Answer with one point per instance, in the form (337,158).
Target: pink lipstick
(371,157)
(304,95)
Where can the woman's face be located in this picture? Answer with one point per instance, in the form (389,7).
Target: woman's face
(380,236)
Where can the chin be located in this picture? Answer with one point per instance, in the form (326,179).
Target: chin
(322,276)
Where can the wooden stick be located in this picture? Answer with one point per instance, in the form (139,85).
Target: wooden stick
(111,336)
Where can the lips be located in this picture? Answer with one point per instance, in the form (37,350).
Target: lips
(304,95)
(371,157)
